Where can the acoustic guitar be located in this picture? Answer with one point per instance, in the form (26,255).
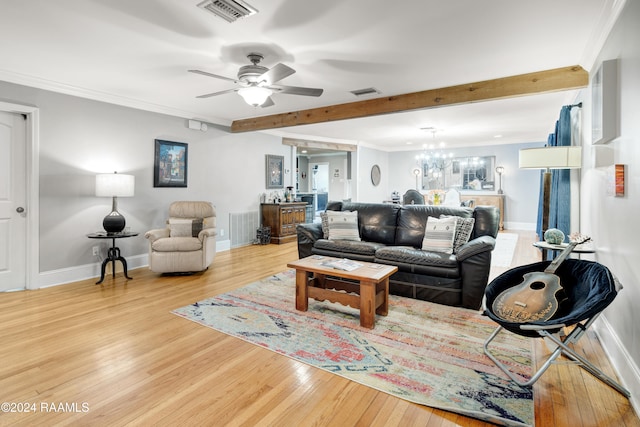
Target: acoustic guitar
(536,298)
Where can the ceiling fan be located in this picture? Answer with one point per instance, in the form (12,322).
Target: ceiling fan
(257,83)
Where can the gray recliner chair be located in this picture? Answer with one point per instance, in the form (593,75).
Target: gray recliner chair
(188,243)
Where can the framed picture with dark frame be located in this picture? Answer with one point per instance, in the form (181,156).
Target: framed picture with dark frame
(170,164)
(274,171)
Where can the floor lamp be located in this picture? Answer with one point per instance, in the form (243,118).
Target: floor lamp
(417,172)
(547,158)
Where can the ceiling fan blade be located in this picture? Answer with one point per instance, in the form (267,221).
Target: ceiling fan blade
(204,73)
(268,103)
(296,90)
(276,73)
(209,95)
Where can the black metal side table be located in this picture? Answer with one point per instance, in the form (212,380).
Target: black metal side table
(113,254)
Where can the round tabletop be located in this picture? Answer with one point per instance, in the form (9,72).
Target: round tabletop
(584,248)
(105,235)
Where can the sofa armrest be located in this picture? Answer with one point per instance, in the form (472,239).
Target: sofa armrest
(156,234)
(475,246)
(475,265)
(308,234)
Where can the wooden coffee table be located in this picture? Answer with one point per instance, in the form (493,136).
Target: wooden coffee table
(370,283)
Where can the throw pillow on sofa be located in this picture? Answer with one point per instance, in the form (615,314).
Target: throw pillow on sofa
(439,235)
(179,227)
(343,225)
(325,224)
(464,228)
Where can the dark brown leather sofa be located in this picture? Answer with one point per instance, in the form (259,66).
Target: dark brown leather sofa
(392,234)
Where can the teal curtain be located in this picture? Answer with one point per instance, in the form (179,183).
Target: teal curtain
(560,203)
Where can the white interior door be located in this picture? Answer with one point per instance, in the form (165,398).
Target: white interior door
(13,213)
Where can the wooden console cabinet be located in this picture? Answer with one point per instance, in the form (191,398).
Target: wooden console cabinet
(496,200)
(283,219)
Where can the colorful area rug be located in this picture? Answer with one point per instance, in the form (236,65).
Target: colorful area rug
(426,353)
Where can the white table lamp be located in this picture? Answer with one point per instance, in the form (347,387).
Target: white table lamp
(114,185)
(565,157)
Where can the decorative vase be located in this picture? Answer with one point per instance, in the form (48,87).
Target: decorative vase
(553,236)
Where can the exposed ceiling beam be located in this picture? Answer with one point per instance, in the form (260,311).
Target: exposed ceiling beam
(555,80)
(305,143)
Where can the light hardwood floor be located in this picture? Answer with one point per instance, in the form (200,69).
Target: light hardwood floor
(113,354)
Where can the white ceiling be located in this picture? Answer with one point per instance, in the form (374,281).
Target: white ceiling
(137,53)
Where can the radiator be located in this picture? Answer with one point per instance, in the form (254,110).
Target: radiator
(243,227)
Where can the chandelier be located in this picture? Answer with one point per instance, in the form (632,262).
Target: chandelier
(433,163)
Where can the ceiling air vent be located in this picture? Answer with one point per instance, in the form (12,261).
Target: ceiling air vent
(367,91)
(229,10)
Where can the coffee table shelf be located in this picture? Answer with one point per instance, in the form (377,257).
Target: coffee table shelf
(368,291)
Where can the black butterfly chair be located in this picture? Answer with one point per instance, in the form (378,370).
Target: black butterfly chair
(589,287)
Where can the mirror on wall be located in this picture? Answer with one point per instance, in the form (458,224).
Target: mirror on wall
(462,173)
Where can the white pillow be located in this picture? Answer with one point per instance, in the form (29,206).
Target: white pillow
(343,225)
(179,227)
(439,235)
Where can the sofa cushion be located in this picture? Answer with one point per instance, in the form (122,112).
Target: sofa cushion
(177,244)
(439,234)
(185,227)
(348,246)
(410,255)
(343,225)
(377,221)
(487,221)
(412,220)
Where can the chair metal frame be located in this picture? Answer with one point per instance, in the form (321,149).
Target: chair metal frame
(550,332)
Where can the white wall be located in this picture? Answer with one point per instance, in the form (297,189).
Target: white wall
(80,137)
(365,190)
(611,221)
(338,185)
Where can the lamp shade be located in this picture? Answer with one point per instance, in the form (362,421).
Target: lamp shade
(255,95)
(566,157)
(115,184)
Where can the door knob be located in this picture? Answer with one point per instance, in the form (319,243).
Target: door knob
(20,209)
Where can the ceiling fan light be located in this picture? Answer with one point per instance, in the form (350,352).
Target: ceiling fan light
(255,95)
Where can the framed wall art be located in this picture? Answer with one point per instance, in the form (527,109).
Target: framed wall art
(274,171)
(170,164)
(615,180)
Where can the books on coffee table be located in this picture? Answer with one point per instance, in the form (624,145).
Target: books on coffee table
(342,264)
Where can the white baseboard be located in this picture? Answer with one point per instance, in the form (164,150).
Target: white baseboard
(88,271)
(619,357)
(223,245)
(83,272)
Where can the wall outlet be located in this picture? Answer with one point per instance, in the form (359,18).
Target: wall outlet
(96,250)
(222,232)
